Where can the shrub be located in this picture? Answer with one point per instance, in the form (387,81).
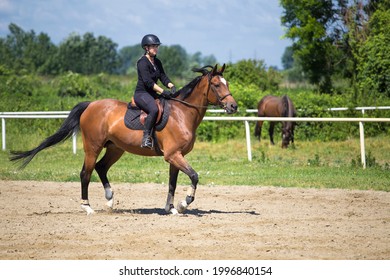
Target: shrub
(75,85)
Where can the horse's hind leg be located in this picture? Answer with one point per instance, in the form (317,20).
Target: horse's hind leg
(271,132)
(85,177)
(112,155)
(173,173)
(259,125)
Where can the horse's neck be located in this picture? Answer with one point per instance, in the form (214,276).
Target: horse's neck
(197,105)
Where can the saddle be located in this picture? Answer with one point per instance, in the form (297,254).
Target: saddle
(135,117)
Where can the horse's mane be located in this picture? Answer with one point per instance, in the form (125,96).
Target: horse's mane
(186,91)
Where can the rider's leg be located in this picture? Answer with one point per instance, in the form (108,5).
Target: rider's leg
(147,140)
(147,103)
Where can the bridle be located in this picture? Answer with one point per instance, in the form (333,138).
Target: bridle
(219,99)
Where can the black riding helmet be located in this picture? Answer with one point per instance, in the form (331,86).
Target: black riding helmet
(150,39)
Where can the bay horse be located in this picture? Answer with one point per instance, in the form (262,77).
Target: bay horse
(101,123)
(274,106)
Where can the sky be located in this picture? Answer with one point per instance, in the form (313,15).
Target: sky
(231,30)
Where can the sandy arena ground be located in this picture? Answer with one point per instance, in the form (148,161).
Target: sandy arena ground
(43,220)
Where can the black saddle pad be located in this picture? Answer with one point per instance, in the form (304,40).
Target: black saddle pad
(132,117)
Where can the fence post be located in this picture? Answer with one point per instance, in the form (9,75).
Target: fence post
(248,140)
(362,146)
(3,133)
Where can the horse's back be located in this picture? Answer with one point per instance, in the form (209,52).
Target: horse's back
(105,107)
(101,113)
(269,106)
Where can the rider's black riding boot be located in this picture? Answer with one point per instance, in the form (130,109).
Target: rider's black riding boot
(147,140)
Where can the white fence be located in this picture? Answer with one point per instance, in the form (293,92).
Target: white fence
(247,130)
(32,115)
(246,120)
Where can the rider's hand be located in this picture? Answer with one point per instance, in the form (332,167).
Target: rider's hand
(173,90)
(166,94)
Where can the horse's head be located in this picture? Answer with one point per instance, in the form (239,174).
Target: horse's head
(218,92)
(287,134)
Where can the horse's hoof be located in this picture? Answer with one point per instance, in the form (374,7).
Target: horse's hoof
(182,206)
(110,203)
(174,211)
(87,209)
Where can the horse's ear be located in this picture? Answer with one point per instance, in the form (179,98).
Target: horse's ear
(222,69)
(214,70)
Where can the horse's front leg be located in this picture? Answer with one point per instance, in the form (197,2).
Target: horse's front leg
(271,132)
(183,205)
(178,162)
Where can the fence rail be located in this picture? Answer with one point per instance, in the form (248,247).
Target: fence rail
(246,120)
(362,109)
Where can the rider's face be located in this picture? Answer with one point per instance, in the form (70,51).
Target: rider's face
(152,49)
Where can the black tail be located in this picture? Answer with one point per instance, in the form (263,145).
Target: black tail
(286,106)
(66,130)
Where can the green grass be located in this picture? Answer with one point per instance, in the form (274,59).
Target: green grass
(306,165)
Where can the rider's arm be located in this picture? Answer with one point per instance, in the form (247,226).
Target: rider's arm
(157,88)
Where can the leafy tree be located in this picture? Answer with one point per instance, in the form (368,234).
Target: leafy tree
(248,72)
(208,60)
(328,36)
(87,55)
(70,54)
(306,22)
(175,60)
(287,58)
(22,50)
(374,56)
(5,54)
(128,57)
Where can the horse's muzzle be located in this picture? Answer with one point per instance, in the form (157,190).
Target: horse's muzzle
(230,107)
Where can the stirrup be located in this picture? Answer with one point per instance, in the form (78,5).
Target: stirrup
(147,142)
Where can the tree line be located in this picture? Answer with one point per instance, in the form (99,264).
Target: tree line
(337,45)
(85,54)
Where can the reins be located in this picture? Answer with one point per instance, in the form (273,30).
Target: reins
(189,104)
(207,93)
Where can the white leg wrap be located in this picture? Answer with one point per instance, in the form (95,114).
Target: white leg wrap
(109,197)
(169,203)
(173,211)
(109,193)
(87,209)
(182,206)
(110,203)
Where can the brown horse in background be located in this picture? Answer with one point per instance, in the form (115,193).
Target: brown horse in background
(274,106)
(102,126)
